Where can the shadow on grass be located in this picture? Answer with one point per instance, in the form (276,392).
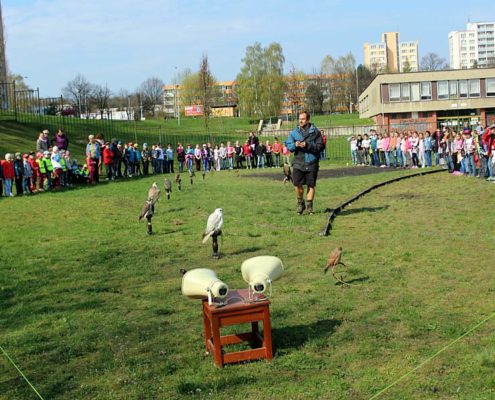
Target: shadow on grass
(292,337)
(363,209)
(246,250)
(352,281)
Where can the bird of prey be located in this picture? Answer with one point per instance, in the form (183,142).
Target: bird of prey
(204,174)
(214,224)
(191,175)
(168,187)
(333,260)
(287,173)
(146,211)
(177,180)
(153,193)
(236,172)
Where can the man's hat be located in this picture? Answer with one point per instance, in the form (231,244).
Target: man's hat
(492,126)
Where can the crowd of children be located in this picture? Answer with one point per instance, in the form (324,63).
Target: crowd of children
(466,152)
(51,166)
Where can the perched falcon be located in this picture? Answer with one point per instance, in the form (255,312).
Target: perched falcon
(153,193)
(287,173)
(334,259)
(168,187)
(146,211)
(214,224)
(177,180)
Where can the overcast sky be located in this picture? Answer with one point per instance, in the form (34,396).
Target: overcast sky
(120,43)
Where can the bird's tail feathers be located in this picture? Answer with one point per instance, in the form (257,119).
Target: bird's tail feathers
(206,237)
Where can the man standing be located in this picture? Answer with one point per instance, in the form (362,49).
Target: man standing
(306,143)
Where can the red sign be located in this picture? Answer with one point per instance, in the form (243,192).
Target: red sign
(192,111)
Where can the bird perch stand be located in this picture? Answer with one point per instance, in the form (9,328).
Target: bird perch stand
(214,244)
(150,227)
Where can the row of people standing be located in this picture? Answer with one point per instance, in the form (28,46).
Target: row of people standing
(467,152)
(235,156)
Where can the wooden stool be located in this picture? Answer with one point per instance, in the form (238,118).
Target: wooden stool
(238,310)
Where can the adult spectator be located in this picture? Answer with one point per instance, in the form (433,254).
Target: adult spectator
(306,143)
(253,142)
(42,142)
(93,158)
(61,140)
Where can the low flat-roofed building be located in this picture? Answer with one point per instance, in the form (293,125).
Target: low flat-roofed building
(430,99)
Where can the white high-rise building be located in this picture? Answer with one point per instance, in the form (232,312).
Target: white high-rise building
(391,54)
(474,46)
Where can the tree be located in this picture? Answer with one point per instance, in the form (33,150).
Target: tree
(432,62)
(407,66)
(78,91)
(314,98)
(101,96)
(327,70)
(249,84)
(190,88)
(261,83)
(295,90)
(209,93)
(151,92)
(20,84)
(273,82)
(364,77)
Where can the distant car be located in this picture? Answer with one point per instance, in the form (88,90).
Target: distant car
(68,112)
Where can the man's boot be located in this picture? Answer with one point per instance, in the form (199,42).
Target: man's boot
(300,206)
(309,206)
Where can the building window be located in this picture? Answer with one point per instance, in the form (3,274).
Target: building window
(425,90)
(490,87)
(415,92)
(474,88)
(394,92)
(453,89)
(463,88)
(443,89)
(405,94)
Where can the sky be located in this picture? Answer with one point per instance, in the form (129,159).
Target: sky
(121,43)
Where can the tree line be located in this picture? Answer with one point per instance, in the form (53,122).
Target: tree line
(262,87)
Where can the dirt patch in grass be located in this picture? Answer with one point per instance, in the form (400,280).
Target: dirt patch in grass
(278,174)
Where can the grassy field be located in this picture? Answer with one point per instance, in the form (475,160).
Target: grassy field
(90,306)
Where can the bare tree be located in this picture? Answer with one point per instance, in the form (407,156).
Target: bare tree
(78,91)
(101,96)
(209,93)
(432,62)
(151,91)
(295,90)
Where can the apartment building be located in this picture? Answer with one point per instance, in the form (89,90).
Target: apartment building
(473,47)
(172,102)
(426,100)
(392,55)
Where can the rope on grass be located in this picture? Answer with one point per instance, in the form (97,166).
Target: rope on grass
(334,212)
(432,357)
(18,369)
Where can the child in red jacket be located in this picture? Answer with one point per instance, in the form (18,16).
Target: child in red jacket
(108,160)
(8,174)
(35,168)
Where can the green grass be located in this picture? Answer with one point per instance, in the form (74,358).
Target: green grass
(90,306)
